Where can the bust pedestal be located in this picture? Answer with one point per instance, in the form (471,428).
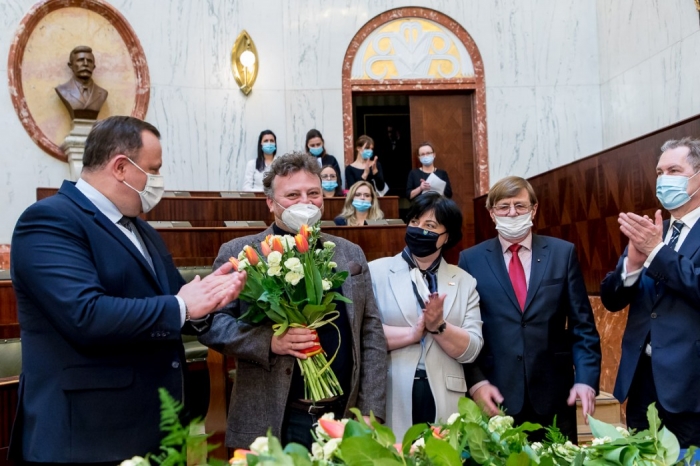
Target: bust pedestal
(74,145)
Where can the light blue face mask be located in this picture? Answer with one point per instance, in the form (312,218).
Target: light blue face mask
(316,151)
(672,190)
(367,154)
(329,185)
(426,160)
(269,147)
(361,206)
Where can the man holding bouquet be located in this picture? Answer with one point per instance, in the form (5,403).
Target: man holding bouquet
(270,388)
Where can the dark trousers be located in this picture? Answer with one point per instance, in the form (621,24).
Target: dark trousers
(298,423)
(566,420)
(423,403)
(685,426)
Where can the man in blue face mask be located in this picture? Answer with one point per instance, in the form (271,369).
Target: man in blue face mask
(658,278)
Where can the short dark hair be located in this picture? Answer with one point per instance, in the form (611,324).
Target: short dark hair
(260,161)
(339,189)
(112,136)
(79,49)
(693,146)
(364,140)
(446,212)
(289,164)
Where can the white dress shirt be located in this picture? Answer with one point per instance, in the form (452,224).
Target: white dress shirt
(253,179)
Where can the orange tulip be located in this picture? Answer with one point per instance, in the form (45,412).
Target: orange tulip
(265,248)
(438,432)
(305,231)
(251,255)
(302,243)
(240,455)
(276,244)
(234,262)
(333,428)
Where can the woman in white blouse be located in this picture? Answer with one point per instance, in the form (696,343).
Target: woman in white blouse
(431,317)
(256,169)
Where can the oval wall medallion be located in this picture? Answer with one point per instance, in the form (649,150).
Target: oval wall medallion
(38,59)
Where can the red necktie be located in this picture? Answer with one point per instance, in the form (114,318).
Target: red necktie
(517,276)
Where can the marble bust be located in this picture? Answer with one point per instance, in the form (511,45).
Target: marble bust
(81,96)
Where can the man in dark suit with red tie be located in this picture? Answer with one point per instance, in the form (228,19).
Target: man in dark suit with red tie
(658,277)
(541,347)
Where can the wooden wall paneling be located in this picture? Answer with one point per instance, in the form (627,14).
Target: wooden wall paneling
(9,327)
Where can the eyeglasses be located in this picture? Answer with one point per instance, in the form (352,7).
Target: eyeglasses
(504,209)
(329,177)
(427,153)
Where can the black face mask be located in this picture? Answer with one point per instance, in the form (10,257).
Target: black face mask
(422,242)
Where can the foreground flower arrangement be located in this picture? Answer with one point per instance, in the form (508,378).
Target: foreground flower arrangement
(289,283)
(468,437)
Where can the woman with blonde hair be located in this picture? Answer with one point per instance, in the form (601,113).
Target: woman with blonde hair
(361,204)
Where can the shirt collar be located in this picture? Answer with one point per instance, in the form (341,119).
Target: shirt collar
(688,219)
(101,201)
(526,243)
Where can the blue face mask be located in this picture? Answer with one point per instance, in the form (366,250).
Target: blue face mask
(426,160)
(329,185)
(672,190)
(316,151)
(367,154)
(269,147)
(361,206)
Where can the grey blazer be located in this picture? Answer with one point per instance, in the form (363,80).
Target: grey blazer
(263,379)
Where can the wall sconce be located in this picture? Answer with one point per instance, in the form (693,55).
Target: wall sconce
(244,62)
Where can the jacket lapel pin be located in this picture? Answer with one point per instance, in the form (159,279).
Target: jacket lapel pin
(451,283)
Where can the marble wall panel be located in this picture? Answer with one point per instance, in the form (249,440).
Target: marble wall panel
(564,51)
(568,124)
(11,13)
(315,109)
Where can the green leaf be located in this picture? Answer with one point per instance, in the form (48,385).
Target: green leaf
(518,459)
(355,429)
(477,440)
(654,421)
(469,409)
(385,436)
(298,453)
(365,451)
(670,445)
(600,429)
(441,453)
(614,455)
(411,435)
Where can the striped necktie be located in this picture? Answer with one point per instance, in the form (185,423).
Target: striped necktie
(675,233)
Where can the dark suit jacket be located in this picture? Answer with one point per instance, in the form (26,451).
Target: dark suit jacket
(263,379)
(665,302)
(548,347)
(100,334)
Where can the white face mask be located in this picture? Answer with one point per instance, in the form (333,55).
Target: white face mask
(512,228)
(152,192)
(297,215)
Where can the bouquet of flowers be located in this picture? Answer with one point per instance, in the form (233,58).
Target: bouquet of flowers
(290,282)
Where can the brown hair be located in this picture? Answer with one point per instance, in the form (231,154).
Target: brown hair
(363,141)
(289,164)
(508,187)
(425,143)
(374,212)
(113,136)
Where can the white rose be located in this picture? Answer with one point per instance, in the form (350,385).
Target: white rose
(328,245)
(326,284)
(274,259)
(274,271)
(293,264)
(330,447)
(243,264)
(288,242)
(453,417)
(536,446)
(259,446)
(418,445)
(293,277)
(316,451)
(332,265)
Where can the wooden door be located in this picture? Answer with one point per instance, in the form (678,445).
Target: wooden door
(446,121)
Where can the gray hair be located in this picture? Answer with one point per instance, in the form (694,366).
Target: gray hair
(692,144)
(289,164)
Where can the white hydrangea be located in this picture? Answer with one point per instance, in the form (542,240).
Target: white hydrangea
(453,417)
(499,424)
(293,278)
(260,446)
(293,264)
(328,245)
(274,259)
(326,284)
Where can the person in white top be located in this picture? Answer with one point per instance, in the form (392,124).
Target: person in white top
(255,169)
(658,276)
